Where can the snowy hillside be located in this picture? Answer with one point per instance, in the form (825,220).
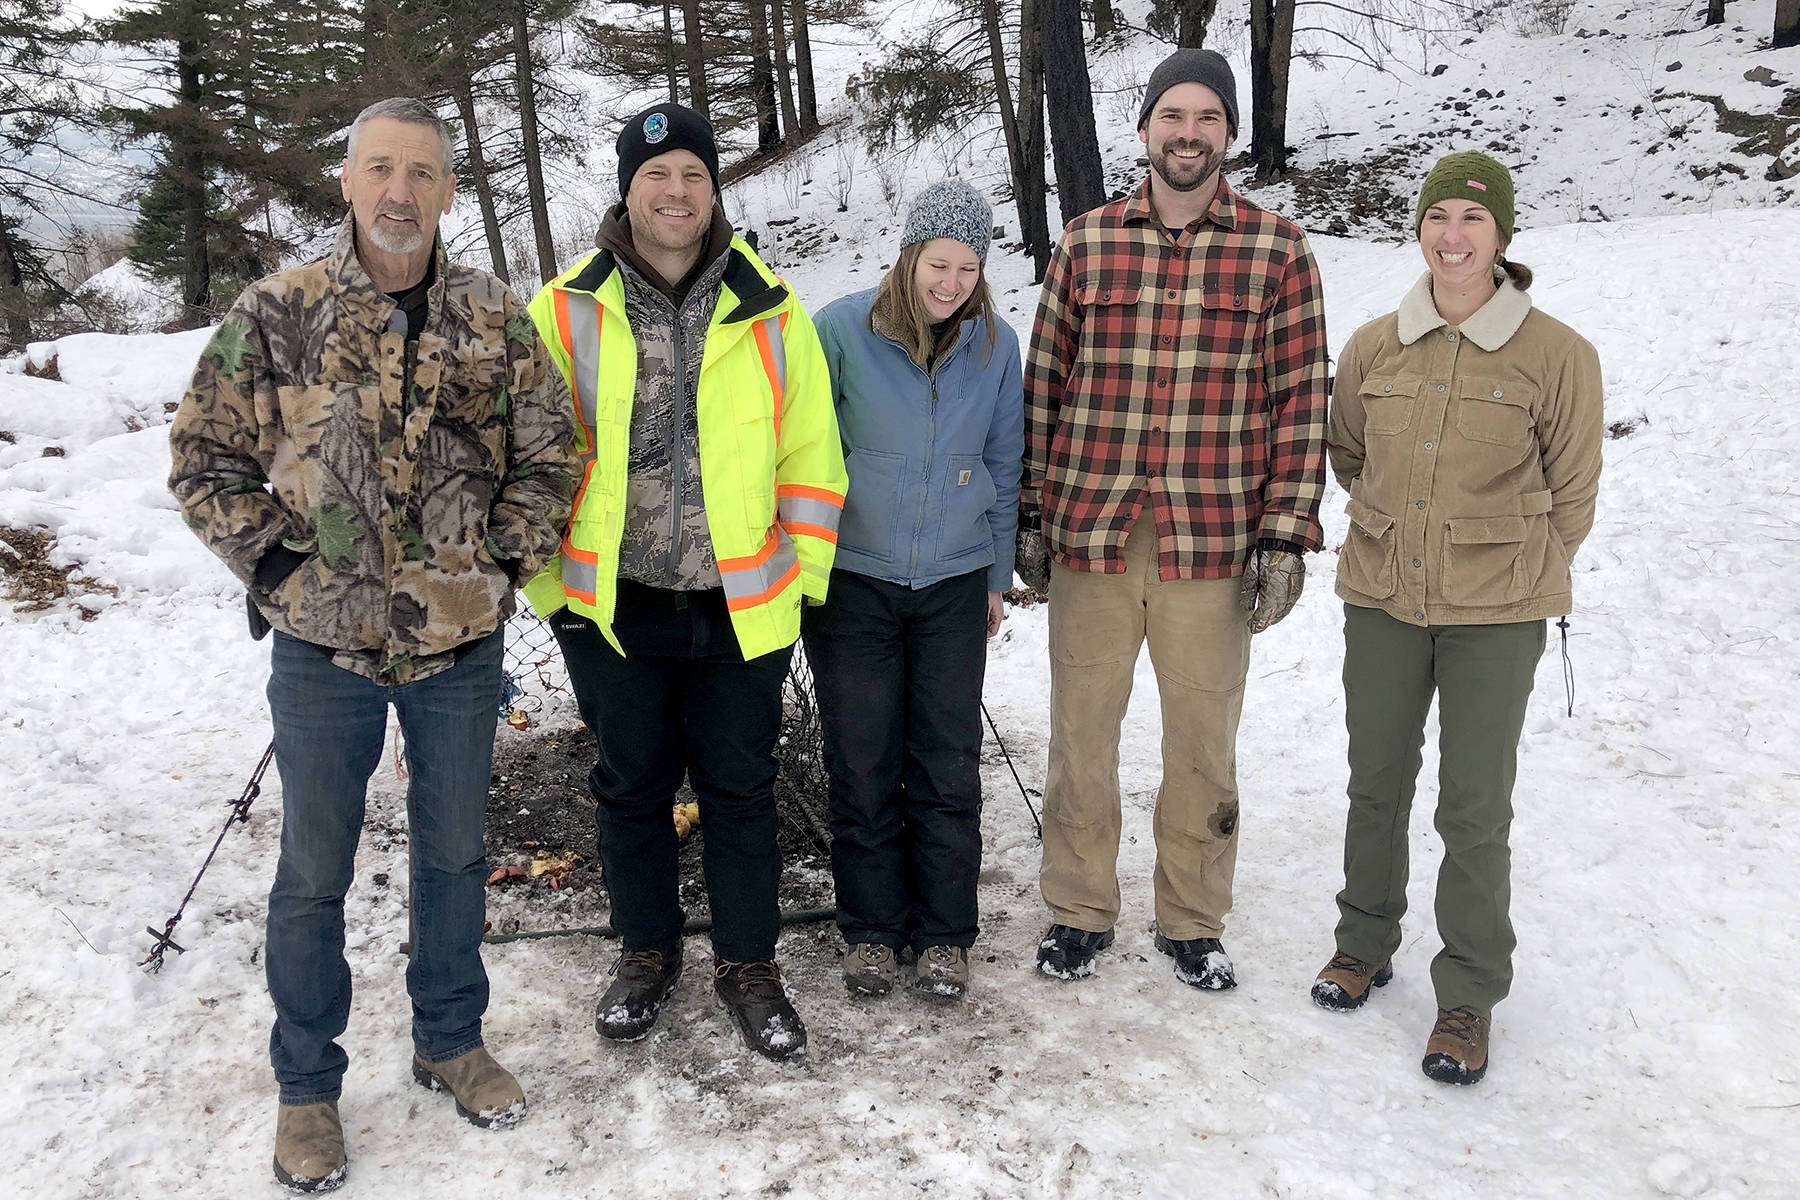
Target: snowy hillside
(1650,1045)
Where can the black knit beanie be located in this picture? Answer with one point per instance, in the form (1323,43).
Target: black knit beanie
(1193,66)
(659,130)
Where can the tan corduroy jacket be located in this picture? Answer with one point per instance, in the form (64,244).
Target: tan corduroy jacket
(1472,459)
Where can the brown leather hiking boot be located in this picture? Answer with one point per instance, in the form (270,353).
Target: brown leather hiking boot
(869,969)
(757,1003)
(1345,982)
(485,1092)
(309,1147)
(1458,1049)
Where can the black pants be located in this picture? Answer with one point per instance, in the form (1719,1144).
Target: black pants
(682,700)
(898,673)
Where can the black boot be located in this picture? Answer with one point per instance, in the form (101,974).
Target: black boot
(642,980)
(758,1005)
(1200,962)
(1068,953)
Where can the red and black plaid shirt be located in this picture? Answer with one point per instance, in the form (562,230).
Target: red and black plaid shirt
(1188,373)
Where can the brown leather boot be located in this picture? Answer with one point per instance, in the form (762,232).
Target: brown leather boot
(485,1092)
(1458,1049)
(309,1147)
(1345,982)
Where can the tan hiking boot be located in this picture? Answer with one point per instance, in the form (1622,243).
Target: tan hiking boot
(943,973)
(1458,1049)
(309,1147)
(869,969)
(485,1092)
(1345,982)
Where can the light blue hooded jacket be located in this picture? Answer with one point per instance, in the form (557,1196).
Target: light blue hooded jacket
(933,459)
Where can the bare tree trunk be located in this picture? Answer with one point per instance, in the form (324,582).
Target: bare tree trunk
(784,72)
(803,67)
(1034,216)
(1787,24)
(1009,121)
(13,304)
(196,268)
(1715,12)
(669,52)
(478,172)
(694,50)
(1080,183)
(1271,53)
(1104,20)
(534,163)
(762,77)
(1196,15)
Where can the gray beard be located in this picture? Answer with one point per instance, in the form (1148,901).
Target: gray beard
(393,243)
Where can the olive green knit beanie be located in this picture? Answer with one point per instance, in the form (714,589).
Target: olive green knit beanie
(1469,175)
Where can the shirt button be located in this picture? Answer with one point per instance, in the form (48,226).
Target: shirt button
(1442,388)
(1420,503)
(1167,339)
(1418,616)
(1237,302)
(1450,337)
(1162,383)
(1497,393)
(1171,293)
(1388,388)
(1418,562)
(1428,445)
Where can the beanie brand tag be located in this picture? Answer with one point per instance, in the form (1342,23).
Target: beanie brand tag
(656,128)
(1476,184)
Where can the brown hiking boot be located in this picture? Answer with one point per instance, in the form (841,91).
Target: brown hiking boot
(1458,1049)
(642,980)
(869,969)
(309,1147)
(1345,982)
(943,973)
(757,1003)
(485,1092)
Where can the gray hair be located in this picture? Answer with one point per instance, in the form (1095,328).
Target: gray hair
(410,111)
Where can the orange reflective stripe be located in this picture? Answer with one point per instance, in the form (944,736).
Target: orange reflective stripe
(818,531)
(775,589)
(775,366)
(809,492)
(562,319)
(749,562)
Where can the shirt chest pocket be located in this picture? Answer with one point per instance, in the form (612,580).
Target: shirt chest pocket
(1226,334)
(1388,403)
(1496,412)
(1111,322)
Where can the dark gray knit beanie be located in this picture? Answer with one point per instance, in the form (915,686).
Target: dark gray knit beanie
(1193,66)
(950,208)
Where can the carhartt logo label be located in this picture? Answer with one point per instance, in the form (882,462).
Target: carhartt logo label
(1477,185)
(962,478)
(656,128)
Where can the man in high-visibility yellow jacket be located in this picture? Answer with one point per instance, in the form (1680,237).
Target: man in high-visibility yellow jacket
(707,514)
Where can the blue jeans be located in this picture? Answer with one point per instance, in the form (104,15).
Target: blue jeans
(329,727)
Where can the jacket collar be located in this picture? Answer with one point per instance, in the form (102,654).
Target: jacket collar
(757,292)
(1491,327)
(1223,211)
(882,321)
(364,300)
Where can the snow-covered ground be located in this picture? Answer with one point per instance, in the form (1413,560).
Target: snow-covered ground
(1650,1047)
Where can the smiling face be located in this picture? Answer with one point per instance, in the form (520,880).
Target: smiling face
(947,272)
(670,203)
(398,185)
(1461,242)
(1187,135)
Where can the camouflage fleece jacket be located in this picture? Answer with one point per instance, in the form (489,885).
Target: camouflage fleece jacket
(295,433)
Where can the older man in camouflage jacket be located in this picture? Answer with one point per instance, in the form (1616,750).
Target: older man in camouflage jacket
(373,444)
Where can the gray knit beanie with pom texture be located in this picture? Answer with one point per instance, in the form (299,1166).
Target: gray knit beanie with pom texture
(950,208)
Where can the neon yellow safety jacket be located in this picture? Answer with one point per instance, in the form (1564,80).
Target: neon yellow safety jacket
(771,463)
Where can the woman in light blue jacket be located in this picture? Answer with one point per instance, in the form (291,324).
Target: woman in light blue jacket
(926,380)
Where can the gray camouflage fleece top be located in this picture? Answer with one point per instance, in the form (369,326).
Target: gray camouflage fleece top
(294,432)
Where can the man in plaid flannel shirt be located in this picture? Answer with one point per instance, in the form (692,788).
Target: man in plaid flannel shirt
(1174,464)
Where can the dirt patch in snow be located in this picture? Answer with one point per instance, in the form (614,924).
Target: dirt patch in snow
(32,582)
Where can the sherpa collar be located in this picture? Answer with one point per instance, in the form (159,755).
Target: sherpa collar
(1491,327)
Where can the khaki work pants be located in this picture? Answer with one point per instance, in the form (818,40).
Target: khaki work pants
(1200,648)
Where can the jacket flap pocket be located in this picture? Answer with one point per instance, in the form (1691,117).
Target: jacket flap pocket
(1485,530)
(1498,391)
(1108,293)
(1371,522)
(1243,300)
(1534,504)
(1390,386)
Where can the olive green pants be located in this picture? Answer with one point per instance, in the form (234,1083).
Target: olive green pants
(1482,675)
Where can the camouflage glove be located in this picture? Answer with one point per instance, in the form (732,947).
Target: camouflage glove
(1030,560)
(1272,582)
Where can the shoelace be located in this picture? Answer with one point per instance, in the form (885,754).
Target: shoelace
(941,958)
(1459,1023)
(1346,962)
(760,982)
(638,964)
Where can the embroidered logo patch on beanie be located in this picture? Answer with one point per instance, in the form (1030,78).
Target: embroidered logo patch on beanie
(656,128)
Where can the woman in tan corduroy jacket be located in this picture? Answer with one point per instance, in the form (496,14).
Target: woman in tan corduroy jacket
(1466,427)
